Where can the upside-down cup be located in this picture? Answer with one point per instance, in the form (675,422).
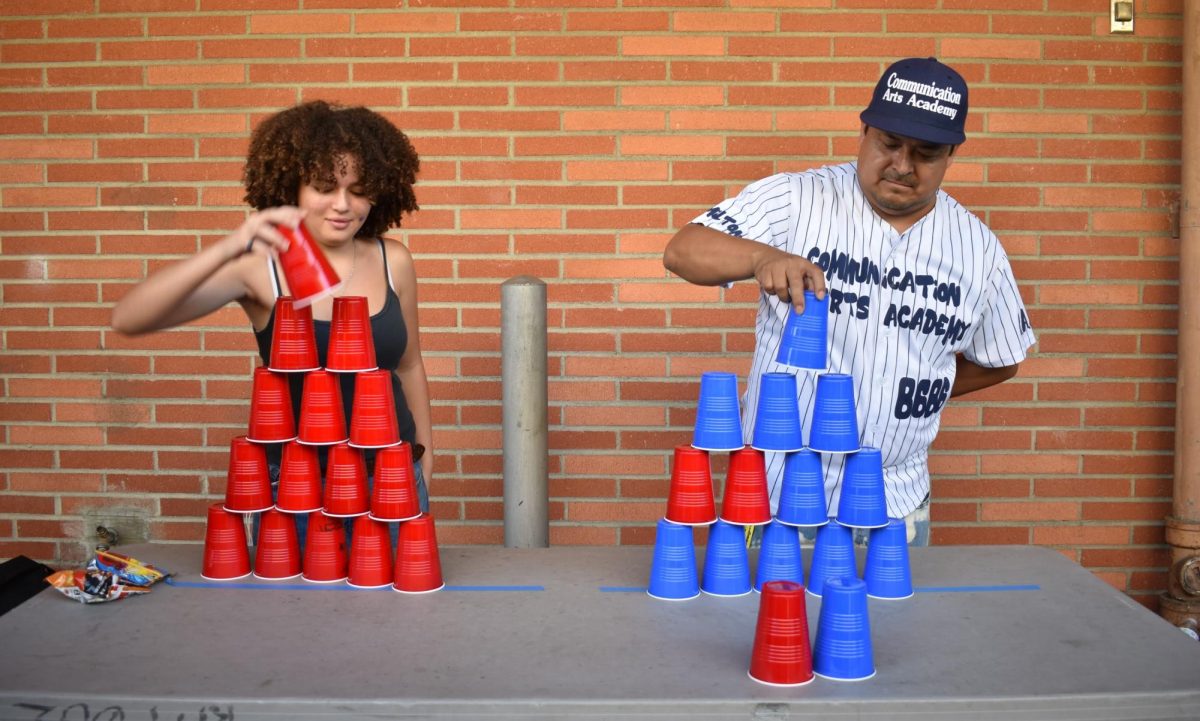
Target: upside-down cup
(226,557)
(394,495)
(887,571)
(777,417)
(690,500)
(862,503)
(299,479)
(277,553)
(351,345)
(373,416)
(322,417)
(248,485)
(346,483)
(747,501)
(781,655)
(370,554)
(779,558)
(673,574)
(834,426)
(805,341)
(293,340)
(309,275)
(271,418)
(325,549)
(718,414)
(726,563)
(842,650)
(418,567)
(833,557)
(802,491)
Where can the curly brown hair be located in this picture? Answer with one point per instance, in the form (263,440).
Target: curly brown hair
(304,144)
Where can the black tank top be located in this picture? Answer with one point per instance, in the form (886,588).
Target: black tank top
(391,338)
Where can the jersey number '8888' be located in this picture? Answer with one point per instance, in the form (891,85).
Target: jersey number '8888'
(921,398)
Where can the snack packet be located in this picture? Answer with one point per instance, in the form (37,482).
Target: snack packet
(92,586)
(127,570)
(108,577)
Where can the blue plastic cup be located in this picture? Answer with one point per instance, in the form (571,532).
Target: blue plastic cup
(802,492)
(887,572)
(862,503)
(842,651)
(779,559)
(673,574)
(835,423)
(718,414)
(805,341)
(833,557)
(777,418)
(726,564)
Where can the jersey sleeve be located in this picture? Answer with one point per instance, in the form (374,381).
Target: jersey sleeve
(1003,335)
(761,212)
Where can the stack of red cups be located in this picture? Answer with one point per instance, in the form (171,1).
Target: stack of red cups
(368,562)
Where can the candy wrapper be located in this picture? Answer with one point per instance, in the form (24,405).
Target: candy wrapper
(126,569)
(108,577)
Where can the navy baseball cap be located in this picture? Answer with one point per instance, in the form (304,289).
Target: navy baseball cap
(920,98)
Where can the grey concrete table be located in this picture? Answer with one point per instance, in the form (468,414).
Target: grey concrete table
(992,633)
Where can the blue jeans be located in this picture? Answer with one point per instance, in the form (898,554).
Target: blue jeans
(916,523)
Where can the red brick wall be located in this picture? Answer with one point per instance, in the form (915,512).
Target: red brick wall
(567,140)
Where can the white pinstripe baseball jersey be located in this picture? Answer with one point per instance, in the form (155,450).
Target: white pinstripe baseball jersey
(901,305)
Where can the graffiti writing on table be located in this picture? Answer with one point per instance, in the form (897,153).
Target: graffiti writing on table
(112,712)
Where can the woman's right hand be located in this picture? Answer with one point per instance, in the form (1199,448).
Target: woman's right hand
(259,227)
(196,286)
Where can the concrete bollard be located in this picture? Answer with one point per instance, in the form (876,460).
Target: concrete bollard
(523,376)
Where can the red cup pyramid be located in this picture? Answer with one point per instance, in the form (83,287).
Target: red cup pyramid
(368,561)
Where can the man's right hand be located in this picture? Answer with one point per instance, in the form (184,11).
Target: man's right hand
(787,276)
(705,256)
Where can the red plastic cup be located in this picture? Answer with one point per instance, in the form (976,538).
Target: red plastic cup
(747,501)
(299,480)
(394,495)
(373,417)
(226,557)
(271,418)
(277,553)
(690,502)
(351,345)
(782,655)
(248,486)
(309,275)
(293,340)
(322,419)
(346,483)
(370,554)
(418,566)
(324,549)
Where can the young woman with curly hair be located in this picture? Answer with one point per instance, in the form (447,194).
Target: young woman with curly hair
(347,173)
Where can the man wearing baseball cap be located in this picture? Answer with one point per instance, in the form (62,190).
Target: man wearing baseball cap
(923,305)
